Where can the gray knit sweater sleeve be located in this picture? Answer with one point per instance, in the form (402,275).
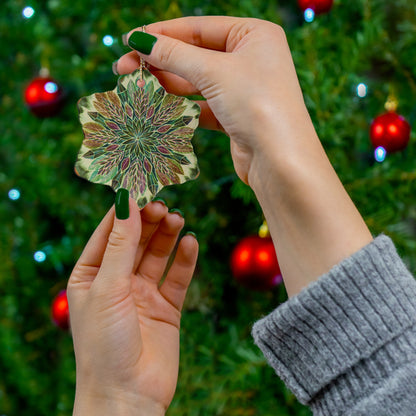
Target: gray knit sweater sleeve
(346,345)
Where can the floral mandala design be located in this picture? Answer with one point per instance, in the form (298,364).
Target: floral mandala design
(137,137)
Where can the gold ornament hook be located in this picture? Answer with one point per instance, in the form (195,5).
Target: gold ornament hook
(264,230)
(142,62)
(391,103)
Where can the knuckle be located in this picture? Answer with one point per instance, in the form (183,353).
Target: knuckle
(166,54)
(118,239)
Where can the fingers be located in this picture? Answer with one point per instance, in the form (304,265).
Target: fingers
(151,215)
(210,32)
(180,273)
(93,252)
(160,247)
(123,240)
(174,55)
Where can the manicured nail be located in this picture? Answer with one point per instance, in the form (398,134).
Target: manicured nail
(124,39)
(157,199)
(114,68)
(142,42)
(176,211)
(122,204)
(191,233)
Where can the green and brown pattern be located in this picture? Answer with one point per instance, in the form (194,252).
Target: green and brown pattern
(137,137)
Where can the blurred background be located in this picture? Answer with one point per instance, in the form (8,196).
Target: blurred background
(352,58)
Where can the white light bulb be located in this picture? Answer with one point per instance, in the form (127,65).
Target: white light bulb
(361,90)
(309,15)
(39,256)
(14,194)
(28,12)
(380,154)
(108,40)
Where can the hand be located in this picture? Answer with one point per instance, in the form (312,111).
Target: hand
(244,69)
(124,320)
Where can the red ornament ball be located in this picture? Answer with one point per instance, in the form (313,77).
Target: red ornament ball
(254,263)
(44,97)
(390,131)
(318,6)
(60,310)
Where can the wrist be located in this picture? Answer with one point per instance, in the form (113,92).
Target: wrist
(115,404)
(311,218)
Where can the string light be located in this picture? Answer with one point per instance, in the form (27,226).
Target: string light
(28,12)
(14,194)
(380,154)
(362,90)
(108,40)
(51,87)
(309,15)
(40,256)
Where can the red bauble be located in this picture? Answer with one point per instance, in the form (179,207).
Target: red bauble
(60,311)
(390,131)
(44,97)
(254,263)
(318,6)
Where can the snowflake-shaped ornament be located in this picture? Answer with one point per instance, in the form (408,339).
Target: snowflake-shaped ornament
(137,137)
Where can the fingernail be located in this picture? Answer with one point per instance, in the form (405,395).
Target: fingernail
(157,199)
(122,204)
(114,68)
(176,211)
(191,233)
(142,42)
(124,39)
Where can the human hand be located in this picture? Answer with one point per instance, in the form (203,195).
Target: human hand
(244,70)
(124,321)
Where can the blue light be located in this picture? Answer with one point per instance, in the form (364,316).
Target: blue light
(309,15)
(28,12)
(39,256)
(108,40)
(51,87)
(361,90)
(14,194)
(380,154)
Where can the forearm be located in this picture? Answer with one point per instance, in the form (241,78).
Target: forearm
(312,220)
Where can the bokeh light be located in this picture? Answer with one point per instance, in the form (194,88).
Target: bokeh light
(40,256)
(51,87)
(14,194)
(362,90)
(108,40)
(309,15)
(28,12)
(380,154)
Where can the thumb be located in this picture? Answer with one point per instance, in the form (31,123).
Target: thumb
(123,240)
(190,62)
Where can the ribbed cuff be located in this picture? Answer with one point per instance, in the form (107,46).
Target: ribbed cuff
(346,332)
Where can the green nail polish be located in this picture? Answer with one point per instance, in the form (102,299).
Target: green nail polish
(142,42)
(176,211)
(191,233)
(157,199)
(122,204)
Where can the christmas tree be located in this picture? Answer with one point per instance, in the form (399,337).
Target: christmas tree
(350,60)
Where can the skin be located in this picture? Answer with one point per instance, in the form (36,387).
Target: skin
(244,69)
(125,324)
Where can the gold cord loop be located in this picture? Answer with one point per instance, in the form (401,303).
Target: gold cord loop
(142,62)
